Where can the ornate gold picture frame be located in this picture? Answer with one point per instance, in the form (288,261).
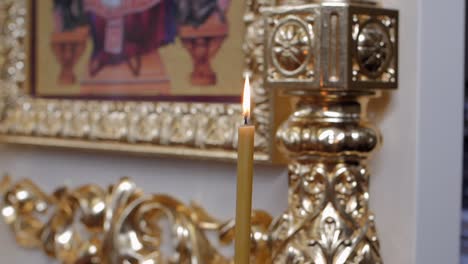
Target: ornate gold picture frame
(192,129)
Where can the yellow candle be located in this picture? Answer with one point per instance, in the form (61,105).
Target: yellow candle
(245,151)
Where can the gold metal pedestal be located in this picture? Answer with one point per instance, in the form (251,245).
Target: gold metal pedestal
(333,56)
(328,218)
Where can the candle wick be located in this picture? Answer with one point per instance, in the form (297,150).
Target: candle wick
(246,121)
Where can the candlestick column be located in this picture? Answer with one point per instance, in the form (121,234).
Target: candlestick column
(328,140)
(333,56)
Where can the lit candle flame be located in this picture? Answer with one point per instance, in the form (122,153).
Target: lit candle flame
(246,100)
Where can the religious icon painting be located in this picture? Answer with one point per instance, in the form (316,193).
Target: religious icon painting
(157,77)
(143,49)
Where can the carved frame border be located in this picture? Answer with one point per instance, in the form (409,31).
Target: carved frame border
(203,130)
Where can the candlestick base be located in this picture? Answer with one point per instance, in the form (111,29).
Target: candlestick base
(328,218)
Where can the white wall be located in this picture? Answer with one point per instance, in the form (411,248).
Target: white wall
(439,149)
(393,184)
(415,189)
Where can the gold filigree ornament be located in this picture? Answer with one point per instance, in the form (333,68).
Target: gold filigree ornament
(120,225)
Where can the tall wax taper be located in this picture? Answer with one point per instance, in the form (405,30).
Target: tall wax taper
(245,151)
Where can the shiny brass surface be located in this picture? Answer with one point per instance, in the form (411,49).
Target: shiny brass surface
(120,224)
(328,218)
(333,56)
(186,129)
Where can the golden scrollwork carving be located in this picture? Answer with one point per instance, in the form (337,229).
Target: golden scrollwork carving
(190,128)
(254,60)
(90,224)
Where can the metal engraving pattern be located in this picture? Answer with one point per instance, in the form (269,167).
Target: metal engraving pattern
(374,49)
(196,126)
(331,46)
(375,53)
(328,219)
(291,44)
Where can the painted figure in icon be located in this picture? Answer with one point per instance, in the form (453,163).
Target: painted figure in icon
(128,33)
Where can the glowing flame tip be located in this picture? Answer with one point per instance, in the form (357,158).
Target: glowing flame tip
(246,98)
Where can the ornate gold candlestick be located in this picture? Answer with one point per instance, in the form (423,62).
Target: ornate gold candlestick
(328,219)
(333,56)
